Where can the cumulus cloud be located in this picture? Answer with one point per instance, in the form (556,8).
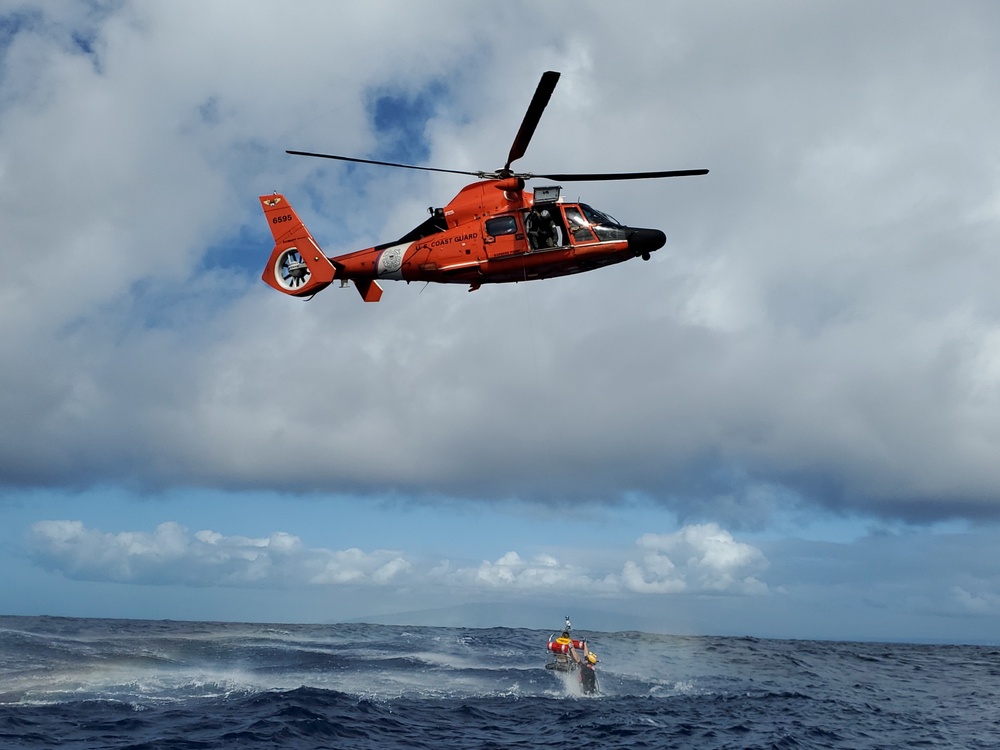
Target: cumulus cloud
(981,603)
(698,558)
(708,559)
(355,566)
(172,555)
(511,571)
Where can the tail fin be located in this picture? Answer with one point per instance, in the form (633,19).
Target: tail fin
(297,266)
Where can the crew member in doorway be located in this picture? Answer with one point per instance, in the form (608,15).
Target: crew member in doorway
(541,229)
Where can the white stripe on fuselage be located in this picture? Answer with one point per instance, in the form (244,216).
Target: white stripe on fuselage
(390,262)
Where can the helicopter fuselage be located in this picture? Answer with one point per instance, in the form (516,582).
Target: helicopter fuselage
(492,232)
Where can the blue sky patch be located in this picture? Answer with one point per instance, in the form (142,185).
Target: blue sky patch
(12,24)
(83,42)
(400,120)
(245,251)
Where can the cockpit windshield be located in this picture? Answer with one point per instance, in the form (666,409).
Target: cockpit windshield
(606,228)
(598,217)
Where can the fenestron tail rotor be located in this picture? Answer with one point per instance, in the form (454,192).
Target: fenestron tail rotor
(543,92)
(290,271)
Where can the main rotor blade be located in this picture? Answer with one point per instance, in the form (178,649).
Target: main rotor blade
(383,163)
(598,177)
(541,98)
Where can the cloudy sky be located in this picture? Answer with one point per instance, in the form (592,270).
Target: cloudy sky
(787,423)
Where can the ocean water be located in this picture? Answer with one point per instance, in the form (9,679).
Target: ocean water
(84,683)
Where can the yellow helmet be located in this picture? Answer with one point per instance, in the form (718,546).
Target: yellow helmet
(592,657)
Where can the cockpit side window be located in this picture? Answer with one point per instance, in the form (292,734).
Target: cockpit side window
(577,224)
(500,225)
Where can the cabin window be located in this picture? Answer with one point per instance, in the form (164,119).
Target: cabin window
(500,225)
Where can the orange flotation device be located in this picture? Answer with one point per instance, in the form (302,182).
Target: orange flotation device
(563,645)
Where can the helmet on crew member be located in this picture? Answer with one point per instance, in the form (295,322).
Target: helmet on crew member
(592,657)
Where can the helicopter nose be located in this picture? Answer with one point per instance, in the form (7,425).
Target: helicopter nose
(645,241)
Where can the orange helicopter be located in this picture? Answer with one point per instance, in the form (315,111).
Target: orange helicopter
(492,232)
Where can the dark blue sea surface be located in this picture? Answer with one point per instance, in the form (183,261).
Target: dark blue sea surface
(82,683)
